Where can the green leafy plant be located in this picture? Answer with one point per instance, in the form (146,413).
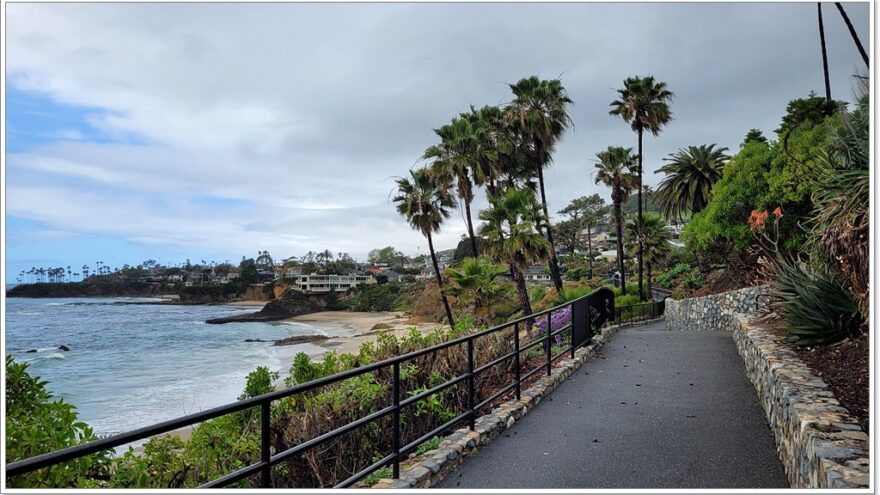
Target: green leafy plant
(37,423)
(816,306)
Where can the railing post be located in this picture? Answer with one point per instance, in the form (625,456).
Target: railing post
(395,421)
(265,445)
(471,401)
(548,345)
(571,324)
(516,358)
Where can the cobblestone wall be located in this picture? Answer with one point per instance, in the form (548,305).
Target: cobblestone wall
(713,312)
(820,444)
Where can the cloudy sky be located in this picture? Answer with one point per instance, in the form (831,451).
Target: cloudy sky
(174,131)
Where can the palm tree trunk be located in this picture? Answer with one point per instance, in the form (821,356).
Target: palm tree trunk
(590,249)
(641,254)
(470,227)
(554,263)
(852,32)
(440,282)
(824,54)
(650,292)
(521,289)
(619,220)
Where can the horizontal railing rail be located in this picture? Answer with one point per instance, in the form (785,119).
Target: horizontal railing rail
(584,310)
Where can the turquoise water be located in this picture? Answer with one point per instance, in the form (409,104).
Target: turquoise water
(133,365)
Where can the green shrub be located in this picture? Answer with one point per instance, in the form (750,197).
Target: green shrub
(37,424)
(816,306)
(384,297)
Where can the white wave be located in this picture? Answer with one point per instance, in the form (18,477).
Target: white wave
(306,328)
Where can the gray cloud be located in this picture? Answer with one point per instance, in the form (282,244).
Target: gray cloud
(307,111)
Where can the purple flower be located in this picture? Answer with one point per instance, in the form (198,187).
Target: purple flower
(558,319)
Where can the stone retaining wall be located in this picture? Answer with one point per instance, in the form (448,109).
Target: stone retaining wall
(820,444)
(714,312)
(431,468)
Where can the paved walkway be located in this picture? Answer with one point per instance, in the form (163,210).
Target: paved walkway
(657,409)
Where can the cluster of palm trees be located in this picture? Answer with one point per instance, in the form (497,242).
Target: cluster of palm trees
(51,275)
(57,275)
(503,149)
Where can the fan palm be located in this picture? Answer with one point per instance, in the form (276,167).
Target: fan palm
(539,108)
(614,169)
(651,233)
(475,283)
(690,175)
(425,206)
(510,230)
(644,104)
(454,160)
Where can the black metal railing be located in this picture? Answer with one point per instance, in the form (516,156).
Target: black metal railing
(637,313)
(587,314)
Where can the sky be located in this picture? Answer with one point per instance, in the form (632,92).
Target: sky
(212,131)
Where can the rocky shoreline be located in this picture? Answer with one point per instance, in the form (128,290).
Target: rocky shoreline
(291,303)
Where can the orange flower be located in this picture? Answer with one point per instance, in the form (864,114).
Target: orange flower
(757,220)
(778,214)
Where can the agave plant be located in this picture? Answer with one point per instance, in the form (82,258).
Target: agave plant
(841,223)
(817,307)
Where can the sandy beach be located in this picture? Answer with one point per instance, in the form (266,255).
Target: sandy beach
(349,329)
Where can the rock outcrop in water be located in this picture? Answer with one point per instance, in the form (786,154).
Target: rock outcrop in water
(291,303)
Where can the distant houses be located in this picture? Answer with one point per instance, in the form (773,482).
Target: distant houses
(314,283)
(535,274)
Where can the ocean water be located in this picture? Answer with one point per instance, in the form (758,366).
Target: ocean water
(132,365)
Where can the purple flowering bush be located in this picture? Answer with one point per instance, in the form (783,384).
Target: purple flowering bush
(558,319)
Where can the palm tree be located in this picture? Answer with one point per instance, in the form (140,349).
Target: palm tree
(510,230)
(824,53)
(539,108)
(852,32)
(644,104)
(614,170)
(425,206)
(490,146)
(690,175)
(453,162)
(475,283)
(651,233)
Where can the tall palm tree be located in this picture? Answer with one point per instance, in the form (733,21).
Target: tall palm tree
(654,237)
(852,32)
(824,53)
(475,283)
(540,109)
(644,104)
(489,144)
(614,169)
(453,161)
(510,230)
(690,175)
(425,206)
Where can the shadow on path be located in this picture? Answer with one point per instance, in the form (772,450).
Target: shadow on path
(655,409)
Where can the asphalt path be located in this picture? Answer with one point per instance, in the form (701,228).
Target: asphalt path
(656,409)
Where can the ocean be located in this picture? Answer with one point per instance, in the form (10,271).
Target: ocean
(132,365)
